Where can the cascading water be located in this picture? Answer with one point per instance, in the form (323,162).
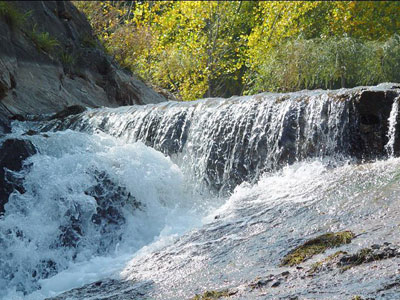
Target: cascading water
(87,197)
(389,147)
(138,184)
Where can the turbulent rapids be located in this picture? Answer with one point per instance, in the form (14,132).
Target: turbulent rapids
(170,200)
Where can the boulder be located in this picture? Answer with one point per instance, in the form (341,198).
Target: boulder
(69,111)
(13,152)
(74,72)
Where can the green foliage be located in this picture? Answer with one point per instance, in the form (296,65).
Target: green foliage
(88,41)
(327,63)
(12,16)
(67,59)
(221,48)
(316,246)
(43,40)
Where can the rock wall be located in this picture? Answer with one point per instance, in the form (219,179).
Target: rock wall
(76,71)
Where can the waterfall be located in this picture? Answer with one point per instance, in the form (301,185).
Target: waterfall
(224,142)
(178,197)
(389,147)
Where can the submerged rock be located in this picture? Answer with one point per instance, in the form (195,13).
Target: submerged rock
(13,152)
(111,200)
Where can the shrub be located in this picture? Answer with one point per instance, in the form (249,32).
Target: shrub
(331,63)
(12,16)
(67,59)
(43,40)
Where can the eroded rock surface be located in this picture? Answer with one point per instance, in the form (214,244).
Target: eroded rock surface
(76,71)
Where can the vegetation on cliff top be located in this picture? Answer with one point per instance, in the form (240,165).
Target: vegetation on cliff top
(196,49)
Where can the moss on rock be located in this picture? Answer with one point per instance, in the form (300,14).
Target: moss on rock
(318,265)
(316,246)
(212,295)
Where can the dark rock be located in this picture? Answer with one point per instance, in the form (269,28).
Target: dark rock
(18,117)
(4,123)
(31,132)
(371,113)
(132,290)
(286,273)
(111,200)
(69,111)
(12,154)
(366,255)
(345,261)
(259,283)
(33,81)
(276,284)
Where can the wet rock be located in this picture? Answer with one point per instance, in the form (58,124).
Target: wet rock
(18,117)
(367,255)
(4,123)
(327,263)
(286,273)
(102,290)
(345,261)
(276,284)
(69,111)
(31,132)
(111,200)
(214,295)
(13,152)
(316,246)
(372,109)
(394,284)
(260,282)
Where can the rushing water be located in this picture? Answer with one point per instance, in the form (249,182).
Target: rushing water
(389,147)
(176,198)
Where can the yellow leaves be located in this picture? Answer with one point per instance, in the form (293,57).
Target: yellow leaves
(187,46)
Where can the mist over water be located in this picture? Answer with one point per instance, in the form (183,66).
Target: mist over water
(179,198)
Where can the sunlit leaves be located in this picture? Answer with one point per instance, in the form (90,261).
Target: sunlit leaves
(220,48)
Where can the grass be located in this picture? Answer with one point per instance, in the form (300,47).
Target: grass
(43,40)
(12,16)
(67,59)
(316,246)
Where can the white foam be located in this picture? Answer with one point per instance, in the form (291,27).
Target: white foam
(55,186)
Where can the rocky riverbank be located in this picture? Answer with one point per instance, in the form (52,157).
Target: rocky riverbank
(49,59)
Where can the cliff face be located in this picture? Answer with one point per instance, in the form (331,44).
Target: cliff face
(49,59)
